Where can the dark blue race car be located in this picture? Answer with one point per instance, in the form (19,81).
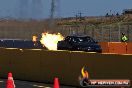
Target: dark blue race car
(79,43)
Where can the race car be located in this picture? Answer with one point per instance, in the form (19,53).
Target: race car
(79,43)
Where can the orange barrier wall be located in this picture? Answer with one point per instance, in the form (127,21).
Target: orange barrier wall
(129,48)
(117,47)
(104,46)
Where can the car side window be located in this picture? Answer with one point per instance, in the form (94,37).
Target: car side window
(90,39)
(73,40)
(68,39)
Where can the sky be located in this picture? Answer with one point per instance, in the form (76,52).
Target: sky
(40,9)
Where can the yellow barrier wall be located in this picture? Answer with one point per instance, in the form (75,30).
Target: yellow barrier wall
(101,66)
(40,65)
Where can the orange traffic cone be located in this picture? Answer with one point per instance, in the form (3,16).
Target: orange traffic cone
(56,83)
(10,81)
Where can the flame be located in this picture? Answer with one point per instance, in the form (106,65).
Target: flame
(50,40)
(34,38)
(84,73)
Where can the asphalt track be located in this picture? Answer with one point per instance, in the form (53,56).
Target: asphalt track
(27,84)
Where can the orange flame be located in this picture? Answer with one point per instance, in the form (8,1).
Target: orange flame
(34,38)
(50,40)
(84,73)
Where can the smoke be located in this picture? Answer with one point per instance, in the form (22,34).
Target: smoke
(23,9)
(36,8)
(55,9)
(54,12)
(30,9)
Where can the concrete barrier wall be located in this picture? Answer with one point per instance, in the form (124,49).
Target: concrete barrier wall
(117,47)
(102,66)
(104,46)
(43,66)
(35,65)
(129,48)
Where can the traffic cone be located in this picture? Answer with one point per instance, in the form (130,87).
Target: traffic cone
(10,81)
(56,83)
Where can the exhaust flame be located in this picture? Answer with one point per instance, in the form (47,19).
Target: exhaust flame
(34,39)
(50,40)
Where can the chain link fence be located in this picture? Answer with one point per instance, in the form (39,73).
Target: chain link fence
(101,33)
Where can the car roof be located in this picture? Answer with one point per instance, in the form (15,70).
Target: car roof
(79,36)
